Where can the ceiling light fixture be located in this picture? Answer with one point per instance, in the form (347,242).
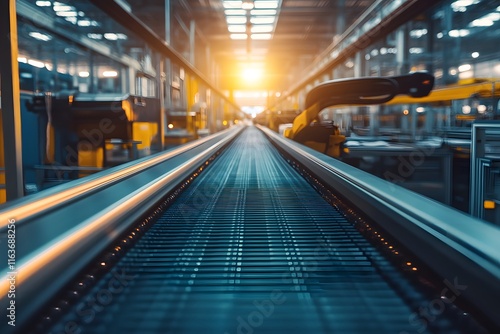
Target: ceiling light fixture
(40,36)
(247,5)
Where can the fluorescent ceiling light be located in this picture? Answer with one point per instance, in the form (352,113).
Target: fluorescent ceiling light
(493,16)
(486,21)
(267,12)
(67,14)
(482,22)
(266,4)
(458,33)
(416,50)
(464,3)
(461,5)
(236,20)
(261,36)
(110,36)
(464,67)
(94,36)
(113,37)
(262,20)
(71,19)
(230,12)
(40,36)
(36,63)
(232,4)
(417,33)
(262,28)
(43,3)
(237,28)
(110,74)
(238,36)
(59,7)
(247,4)
(88,23)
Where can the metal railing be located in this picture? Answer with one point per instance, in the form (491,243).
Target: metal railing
(60,230)
(454,245)
(484,153)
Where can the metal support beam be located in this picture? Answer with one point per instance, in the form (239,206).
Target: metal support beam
(167,69)
(403,53)
(340,18)
(164,85)
(167,22)
(192,42)
(359,65)
(11,100)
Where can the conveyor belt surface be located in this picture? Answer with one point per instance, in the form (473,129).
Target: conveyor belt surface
(251,247)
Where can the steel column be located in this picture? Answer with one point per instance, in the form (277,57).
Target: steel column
(11,100)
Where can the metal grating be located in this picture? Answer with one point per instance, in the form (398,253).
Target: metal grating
(248,248)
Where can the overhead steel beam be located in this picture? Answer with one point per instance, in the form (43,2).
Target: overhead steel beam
(399,16)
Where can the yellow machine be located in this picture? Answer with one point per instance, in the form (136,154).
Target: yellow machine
(106,130)
(308,130)
(467,88)
(455,106)
(114,131)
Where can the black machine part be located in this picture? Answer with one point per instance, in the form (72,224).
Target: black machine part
(370,90)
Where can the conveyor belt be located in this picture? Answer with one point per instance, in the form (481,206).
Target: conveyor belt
(251,247)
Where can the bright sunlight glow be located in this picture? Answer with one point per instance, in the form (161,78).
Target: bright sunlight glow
(252,74)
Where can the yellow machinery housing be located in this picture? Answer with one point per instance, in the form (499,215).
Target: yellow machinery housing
(111,129)
(308,130)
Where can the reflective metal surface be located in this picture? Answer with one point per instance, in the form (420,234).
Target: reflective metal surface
(251,247)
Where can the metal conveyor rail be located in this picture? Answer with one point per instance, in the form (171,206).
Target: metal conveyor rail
(451,243)
(61,229)
(251,247)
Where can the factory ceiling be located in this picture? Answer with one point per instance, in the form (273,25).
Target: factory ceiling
(279,47)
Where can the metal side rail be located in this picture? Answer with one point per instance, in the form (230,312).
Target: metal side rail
(61,229)
(456,246)
(249,247)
